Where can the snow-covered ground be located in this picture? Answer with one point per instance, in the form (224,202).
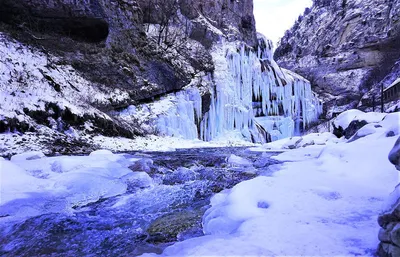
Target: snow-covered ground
(16,143)
(32,184)
(323,200)
(163,144)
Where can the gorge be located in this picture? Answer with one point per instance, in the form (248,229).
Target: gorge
(173,128)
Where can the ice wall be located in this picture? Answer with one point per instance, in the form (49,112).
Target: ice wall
(252,96)
(181,120)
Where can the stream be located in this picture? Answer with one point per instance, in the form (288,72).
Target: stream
(148,217)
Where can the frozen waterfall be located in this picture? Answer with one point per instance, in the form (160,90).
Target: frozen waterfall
(252,95)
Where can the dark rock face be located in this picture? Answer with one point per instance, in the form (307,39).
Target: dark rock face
(87,20)
(394,156)
(389,234)
(83,20)
(351,130)
(346,49)
(221,14)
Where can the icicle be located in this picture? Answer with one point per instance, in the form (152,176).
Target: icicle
(283,100)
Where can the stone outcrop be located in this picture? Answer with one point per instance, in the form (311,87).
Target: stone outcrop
(389,234)
(347,49)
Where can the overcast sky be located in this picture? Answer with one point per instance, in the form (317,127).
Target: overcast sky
(274,17)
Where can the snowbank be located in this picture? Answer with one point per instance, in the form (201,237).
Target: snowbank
(324,202)
(344,119)
(381,123)
(32,184)
(298,142)
(167,144)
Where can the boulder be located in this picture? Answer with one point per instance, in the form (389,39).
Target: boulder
(32,155)
(176,225)
(389,235)
(394,155)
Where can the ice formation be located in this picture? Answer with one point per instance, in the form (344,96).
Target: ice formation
(252,95)
(181,120)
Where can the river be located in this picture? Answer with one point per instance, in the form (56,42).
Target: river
(145,219)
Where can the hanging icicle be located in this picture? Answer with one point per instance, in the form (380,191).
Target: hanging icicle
(252,96)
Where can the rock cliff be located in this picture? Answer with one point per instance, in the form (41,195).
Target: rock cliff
(66,64)
(347,49)
(72,70)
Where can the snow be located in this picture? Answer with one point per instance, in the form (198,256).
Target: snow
(138,180)
(322,201)
(344,119)
(239,161)
(297,142)
(31,186)
(391,122)
(397,81)
(167,144)
(27,156)
(16,183)
(395,105)
(22,65)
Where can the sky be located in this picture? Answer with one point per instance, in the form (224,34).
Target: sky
(274,17)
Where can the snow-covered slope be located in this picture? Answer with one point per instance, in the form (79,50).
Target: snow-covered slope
(37,90)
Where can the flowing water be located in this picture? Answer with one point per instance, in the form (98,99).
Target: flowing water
(146,218)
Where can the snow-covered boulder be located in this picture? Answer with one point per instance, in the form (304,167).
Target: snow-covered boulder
(15,183)
(391,123)
(105,154)
(344,119)
(136,180)
(298,142)
(235,160)
(349,122)
(179,176)
(33,155)
(31,186)
(143,164)
(355,124)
